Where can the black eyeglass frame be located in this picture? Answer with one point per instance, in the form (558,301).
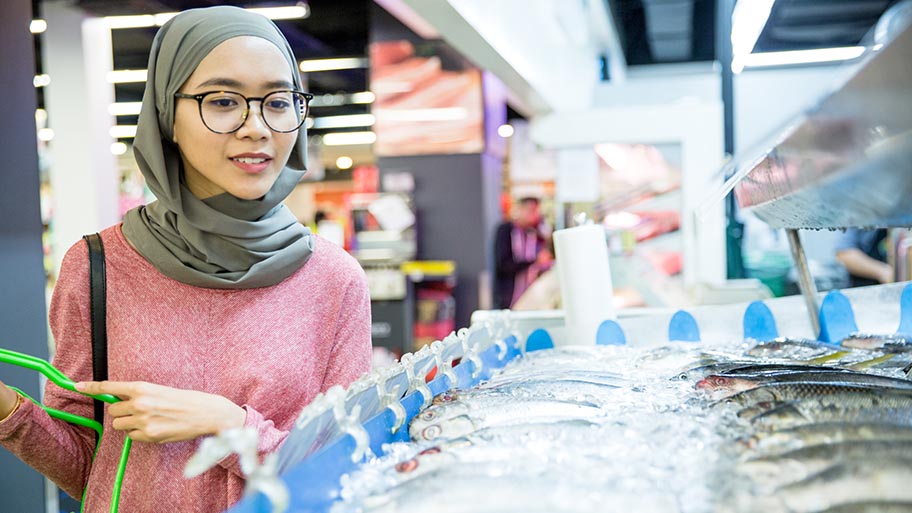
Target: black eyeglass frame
(201,96)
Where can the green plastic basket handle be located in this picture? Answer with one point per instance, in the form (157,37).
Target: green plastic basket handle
(57,377)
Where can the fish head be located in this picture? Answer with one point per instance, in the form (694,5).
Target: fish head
(730,384)
(438,413)
(452,427)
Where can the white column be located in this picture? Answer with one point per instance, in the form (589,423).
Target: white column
(83,172)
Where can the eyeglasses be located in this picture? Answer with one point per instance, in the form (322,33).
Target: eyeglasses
(225,112)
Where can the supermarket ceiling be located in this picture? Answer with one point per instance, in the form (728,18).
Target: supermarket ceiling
(549,54)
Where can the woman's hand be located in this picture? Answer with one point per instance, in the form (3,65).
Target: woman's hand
(8,400)
(160,414)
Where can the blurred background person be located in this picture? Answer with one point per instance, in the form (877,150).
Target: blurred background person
(520,253)
(863,254)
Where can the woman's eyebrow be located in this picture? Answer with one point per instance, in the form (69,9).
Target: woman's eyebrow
(230,82)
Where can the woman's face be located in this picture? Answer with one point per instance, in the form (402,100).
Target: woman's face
(247,162)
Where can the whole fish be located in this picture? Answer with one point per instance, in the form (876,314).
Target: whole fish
(458,418)
(791,349)
(779,470)
(732,384)
(777,442)
(749,368)
(885,343)
(790,391)
(872,406)
(850,482)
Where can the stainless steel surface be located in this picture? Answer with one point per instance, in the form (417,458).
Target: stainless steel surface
(848,161)
(805,281)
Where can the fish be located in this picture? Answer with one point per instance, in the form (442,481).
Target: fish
(790,391)
(850,482)
(778,470)
(791,349)
(885,343)
(777,442)
(872,506)
(723,383)
(460,418)
(872,406)
(750,368)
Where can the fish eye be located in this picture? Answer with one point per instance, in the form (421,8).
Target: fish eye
(428,415)
(720,381)
(407,466)
(431,432)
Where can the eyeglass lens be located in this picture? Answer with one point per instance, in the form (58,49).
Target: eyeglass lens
(283,111)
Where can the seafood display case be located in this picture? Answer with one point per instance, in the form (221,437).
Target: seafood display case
(735,408)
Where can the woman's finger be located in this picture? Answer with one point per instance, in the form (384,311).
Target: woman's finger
(122,389)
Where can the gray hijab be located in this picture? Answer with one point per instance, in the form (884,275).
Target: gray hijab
(221,242)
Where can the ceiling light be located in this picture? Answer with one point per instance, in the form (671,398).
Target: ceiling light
(119,22)
(313,65)
(349,138)
(438,114)
(125,108)
(363,97)
(123,131)
(344,162)
(41,117)
(41,80)
(353,120)
(300,10)
(124,76)
(757,60)
(45,134)
(748,20)
(505,130)
(37,26)
(118,148)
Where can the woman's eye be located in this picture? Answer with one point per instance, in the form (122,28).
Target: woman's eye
(278,105)
(222,102)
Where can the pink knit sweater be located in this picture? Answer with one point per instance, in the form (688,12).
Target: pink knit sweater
(270,350)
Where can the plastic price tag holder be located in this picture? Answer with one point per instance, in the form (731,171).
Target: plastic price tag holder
(610,333)
(759,323)
(683,327)
(905,312)
(538,340)
(837,320)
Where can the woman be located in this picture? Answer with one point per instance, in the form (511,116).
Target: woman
(223,311)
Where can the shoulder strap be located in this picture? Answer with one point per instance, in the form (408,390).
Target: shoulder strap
(98,314)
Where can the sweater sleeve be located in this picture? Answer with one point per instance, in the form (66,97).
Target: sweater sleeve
(349,358)
(351,351)
(59,450)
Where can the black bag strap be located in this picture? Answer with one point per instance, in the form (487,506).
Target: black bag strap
(98,312)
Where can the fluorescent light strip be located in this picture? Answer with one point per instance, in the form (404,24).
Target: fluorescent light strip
(438,114)
(748,20)
(37,26)
(334,100)
(313,65)
(302,10)
(41,80)
(124,76)
(123,131)
(759,60)
(124,108)
(352,120)
(349,138)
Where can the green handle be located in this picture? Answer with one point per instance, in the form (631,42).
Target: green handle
(57,377)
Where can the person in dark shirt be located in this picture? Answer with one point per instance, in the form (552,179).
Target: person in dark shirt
(863,255)
(519,253)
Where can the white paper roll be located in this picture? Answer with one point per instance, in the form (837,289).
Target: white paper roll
(581,256)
